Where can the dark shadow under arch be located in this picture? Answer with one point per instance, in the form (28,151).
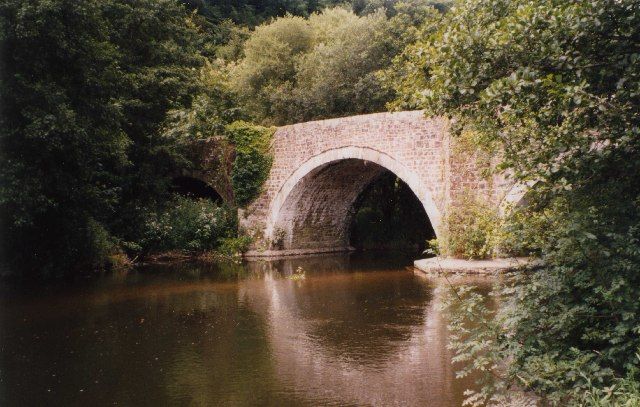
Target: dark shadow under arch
(318,213)
(194,188)
(388,216)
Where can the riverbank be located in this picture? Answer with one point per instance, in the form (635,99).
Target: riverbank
(280,254)
(440,265)
(178,256)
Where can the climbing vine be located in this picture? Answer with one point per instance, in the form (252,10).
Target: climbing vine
(253,159)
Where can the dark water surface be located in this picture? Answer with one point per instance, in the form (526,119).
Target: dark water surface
(354,332)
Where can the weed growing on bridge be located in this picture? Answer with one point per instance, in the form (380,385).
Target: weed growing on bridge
(253,159)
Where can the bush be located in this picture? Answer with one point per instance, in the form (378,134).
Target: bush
(234,246)
(623,392)
(188,225)
(469,229)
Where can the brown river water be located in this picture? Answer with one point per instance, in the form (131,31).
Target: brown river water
(356,331)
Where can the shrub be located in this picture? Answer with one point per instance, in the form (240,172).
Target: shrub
(469,229)
(623,392)
(234,246)
(188,225)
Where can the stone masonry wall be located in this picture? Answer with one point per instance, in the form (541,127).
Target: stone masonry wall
(320,167)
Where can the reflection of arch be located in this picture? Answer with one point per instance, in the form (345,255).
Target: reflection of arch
(308,361)
(314,203)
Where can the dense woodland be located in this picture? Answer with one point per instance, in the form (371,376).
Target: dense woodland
(102,100)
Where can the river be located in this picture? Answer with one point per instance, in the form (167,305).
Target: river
(357,330)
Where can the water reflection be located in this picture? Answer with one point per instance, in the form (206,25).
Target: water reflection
(356,331)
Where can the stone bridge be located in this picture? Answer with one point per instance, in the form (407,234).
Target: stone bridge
(321,167)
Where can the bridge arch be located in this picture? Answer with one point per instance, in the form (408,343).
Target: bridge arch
(195,187)
(321,167)
(313,209)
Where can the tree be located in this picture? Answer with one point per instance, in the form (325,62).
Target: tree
(269,62)
(554,85)
(85,88)
(328,65)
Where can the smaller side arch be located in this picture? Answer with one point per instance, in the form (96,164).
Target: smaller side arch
(334,156)
(195,188)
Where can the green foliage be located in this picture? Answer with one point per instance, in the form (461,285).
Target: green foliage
(469,229)
(85,87)
(188,225)
(253,159)
(253,12)
(200,128)
(474,339)
(554,85)
(624,392)
(481,346)
(250,13)
(433,247)
(231,49)
(216,138)
(584,300)
(405,74)
(296,69)
(297,275)
(234,246)
(213,107)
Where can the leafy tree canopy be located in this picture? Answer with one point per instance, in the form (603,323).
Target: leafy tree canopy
(555,86)
(255,12)
(85,87)
(297,69)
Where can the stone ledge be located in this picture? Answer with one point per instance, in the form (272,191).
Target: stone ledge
(438,265)
(275,254)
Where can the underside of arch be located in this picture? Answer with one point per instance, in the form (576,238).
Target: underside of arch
(194,188)
(313,210)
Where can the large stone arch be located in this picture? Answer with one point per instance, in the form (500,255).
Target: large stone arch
(350,152)
(321,194)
